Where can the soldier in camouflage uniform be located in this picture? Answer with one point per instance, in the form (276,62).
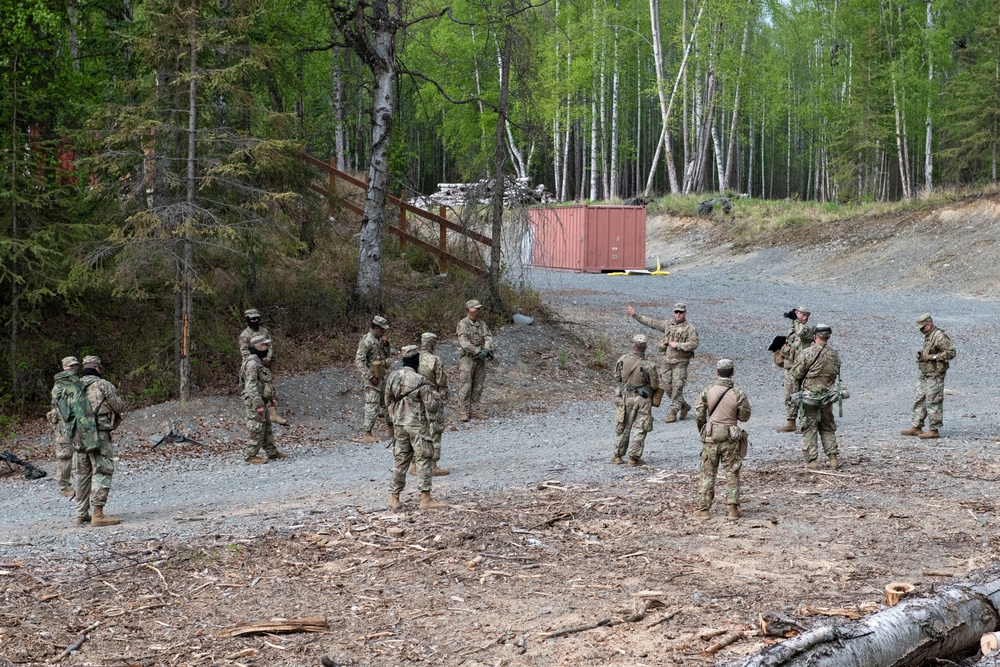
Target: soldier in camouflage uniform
(254,327)
(816,372)
(94,469)
(717,409)
(637,379)
(477,347)
(258,395)
(371,361)
(678,344)
(432,368)
(61,442)
(932,362)
(411,400)
(800,337)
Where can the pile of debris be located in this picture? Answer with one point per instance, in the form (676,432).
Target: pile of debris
(517,191)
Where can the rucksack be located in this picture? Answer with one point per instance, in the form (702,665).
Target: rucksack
(76,412)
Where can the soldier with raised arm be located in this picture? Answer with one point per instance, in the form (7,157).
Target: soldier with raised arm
(680,339)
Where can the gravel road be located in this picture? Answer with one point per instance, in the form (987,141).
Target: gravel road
(736,302)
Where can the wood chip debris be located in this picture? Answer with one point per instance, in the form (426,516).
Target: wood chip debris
(274,626)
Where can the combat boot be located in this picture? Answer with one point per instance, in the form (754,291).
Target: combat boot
(83,520)
(812,465)
(929,434)
(279,455)
(394,503)
(616,459)
(428,503)
(734,513)
(702,514)
(834,463)
(635,461)
(916,430)
(367,437)
(69,493)
(672,417)
(789,427)
(272,413)
(479,414)
(437,471)
(685,409)
(100,519)
(463,417)
(257,460)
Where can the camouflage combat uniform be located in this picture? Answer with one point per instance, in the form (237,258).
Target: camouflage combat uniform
(473,336)
(800,338)
(816,371)
(432,369)
(372,349)
(411,400)
(932,362)
(249,333)
(94,469)
(258,393)
(638,379)
(720,438)
(673,367)
(64,448)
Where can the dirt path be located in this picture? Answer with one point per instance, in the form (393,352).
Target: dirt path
(544,534)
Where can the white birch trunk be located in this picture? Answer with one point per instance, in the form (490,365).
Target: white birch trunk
(605,186)
(187,278)
(569,124)
(613,187)
(929,129)
(338,109)
(915,632)
(731,153)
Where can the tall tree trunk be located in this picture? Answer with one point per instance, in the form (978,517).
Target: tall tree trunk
(613,186)
(731,153)
(15,293)
(929,137)
(499,169)
(556,149)
(187,277)
(74,41)
(338,107)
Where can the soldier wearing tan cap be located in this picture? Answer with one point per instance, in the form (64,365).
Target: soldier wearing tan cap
(680,339)
(637,381)
(932,362)
(432,368)
(371,360)
(477,347)
(254,327)
(61,442)
(95,468)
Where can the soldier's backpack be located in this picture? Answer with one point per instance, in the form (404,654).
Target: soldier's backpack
(76,412)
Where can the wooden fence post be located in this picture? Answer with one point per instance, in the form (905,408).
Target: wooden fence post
(332,192)
(442,243)
(402,219)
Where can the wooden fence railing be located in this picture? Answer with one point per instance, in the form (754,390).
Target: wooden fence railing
(404,208)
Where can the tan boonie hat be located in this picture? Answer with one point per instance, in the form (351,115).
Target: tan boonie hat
(91,361)
(427,337)
(70,361)
(250,314)
(473,304)
(639,339)
(409,350)
(803,309)
(724,364)
(924,319)
(682,307)
(260,339)
(380,322)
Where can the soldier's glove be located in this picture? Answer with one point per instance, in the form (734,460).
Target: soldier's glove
(790,315)
(920,355)
(481,355)
(645,393)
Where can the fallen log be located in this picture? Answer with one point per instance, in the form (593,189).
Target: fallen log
(907,635)
(274,626)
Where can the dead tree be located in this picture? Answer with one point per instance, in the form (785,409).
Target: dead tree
(907,635)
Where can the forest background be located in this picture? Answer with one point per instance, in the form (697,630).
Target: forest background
(150,186)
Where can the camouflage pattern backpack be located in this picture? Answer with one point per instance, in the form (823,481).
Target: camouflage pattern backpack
(76,412)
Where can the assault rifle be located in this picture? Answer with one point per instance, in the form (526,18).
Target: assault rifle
(30,471)
(174,436)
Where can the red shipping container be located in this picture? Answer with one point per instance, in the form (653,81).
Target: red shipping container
(591,239)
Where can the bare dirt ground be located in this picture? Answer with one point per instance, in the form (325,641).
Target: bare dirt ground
(544,536)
